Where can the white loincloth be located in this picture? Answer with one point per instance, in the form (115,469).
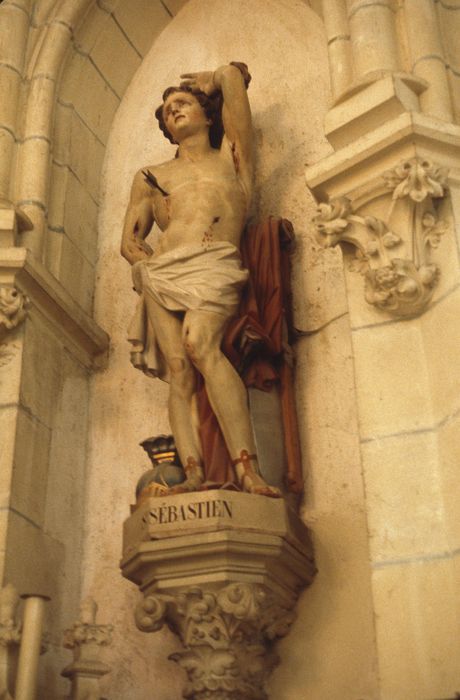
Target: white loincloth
(188,278)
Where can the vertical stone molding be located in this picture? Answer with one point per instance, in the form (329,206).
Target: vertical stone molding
(394,252)
(223,570)
(14,27)
(427,56)
(339,47)
(86,638)
(373,37)
(10,637)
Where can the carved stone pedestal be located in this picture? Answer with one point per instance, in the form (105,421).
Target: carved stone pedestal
(223,570)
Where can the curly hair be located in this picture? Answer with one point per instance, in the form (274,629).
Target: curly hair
(212,107)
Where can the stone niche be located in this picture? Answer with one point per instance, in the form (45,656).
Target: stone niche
(126,406)
(223,570)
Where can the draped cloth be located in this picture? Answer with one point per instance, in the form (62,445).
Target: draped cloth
(256,339)
(206,278)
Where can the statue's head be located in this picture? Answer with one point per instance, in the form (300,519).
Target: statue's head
(211,109)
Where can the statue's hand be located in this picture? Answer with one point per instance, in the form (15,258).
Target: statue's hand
(203,81)
(135,249)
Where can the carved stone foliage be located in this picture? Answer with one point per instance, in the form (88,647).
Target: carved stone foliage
(227,633)
(13,306)
(394,253)
(85,630)
(86,639)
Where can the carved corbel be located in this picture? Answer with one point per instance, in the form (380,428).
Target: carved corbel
(86,639)
(227,634)
(225,580)
(394,252)
(10,637)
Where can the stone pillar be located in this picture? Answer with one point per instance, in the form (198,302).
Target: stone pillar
(392,197)
(224,571)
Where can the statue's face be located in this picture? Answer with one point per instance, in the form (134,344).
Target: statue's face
(183,115)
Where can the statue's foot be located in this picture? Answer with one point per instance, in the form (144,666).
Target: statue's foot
(194,480)
(249,480)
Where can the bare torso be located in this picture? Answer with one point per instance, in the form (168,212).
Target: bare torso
(207,201)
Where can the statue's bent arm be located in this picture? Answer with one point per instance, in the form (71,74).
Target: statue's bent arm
(138,222)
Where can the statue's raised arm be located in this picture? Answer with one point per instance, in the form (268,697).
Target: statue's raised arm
(231,81)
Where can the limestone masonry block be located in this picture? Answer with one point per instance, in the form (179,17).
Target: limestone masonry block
(8,421)
(76,274)
(92,98)
(115,57)
(80,218)
(142,20)
(90,32)
(449,454)
(407,521)
(30,473)
(392,380)
(39,389)
(86,156)
(441,336)
(416,650)
(30,556)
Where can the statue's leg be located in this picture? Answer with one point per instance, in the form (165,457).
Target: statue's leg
(202,336)
(183,412)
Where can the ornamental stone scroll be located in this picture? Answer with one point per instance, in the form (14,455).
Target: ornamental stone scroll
(394,252)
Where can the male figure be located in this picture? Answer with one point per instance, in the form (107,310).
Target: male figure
(192,283)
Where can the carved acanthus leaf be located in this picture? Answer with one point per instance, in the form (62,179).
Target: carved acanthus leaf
(332,218)
(416,179)
(433,229)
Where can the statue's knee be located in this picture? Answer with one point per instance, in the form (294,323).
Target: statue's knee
(181,370)
(177,365)
(193,349)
